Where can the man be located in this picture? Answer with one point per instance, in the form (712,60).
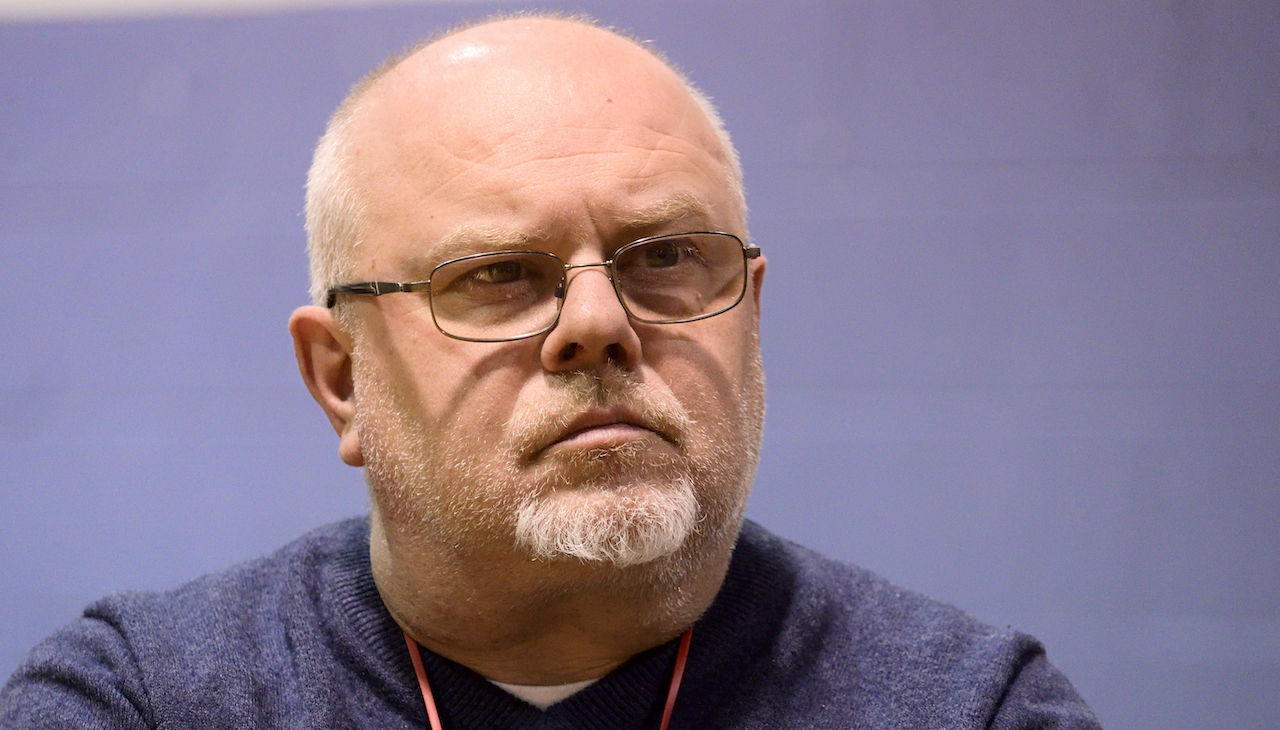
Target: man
(536,329)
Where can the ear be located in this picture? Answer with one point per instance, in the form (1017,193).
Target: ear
(757,278)
(324,359)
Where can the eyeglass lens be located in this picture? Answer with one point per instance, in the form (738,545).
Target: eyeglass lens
(511,294)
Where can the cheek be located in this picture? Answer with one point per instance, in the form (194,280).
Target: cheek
(717,375)
(708,375)
(475,389)
(426,374)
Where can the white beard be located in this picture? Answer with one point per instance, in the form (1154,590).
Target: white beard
(620,529)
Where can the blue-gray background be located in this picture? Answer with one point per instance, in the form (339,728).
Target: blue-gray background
(1022,328)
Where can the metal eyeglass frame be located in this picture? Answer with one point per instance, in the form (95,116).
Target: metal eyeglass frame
(378,288)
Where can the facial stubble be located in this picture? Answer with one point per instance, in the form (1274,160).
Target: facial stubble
(660,506)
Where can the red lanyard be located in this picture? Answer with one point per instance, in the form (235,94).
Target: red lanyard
(434,717)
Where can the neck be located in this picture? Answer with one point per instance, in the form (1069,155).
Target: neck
(520,621)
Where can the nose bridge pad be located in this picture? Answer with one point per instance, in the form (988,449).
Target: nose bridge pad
(562,289)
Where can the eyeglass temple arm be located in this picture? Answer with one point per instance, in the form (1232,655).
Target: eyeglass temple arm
(751,251)
(371,288)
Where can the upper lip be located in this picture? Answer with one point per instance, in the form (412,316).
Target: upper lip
(607,417)
(597,418)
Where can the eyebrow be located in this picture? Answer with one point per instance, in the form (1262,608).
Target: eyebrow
(474,239)
(677,207)
(468,240)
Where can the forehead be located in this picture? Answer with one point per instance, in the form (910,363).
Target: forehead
(532,128)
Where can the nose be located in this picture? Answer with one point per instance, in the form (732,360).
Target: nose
(593,330)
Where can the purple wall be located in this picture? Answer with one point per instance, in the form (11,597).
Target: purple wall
(1022,327)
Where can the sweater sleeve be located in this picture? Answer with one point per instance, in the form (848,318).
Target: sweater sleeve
(84,677)
(1040,696)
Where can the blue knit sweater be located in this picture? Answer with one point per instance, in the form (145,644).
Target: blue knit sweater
(300,639)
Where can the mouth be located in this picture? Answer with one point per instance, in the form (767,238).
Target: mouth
(604,429)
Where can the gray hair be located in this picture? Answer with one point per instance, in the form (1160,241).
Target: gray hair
(335,205)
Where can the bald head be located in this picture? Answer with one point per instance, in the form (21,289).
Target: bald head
(434,119)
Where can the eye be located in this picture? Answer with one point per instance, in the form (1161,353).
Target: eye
(660,255)
(502,275)
(499,272)
(668,254)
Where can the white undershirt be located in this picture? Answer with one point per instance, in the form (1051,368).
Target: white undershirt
(541,696)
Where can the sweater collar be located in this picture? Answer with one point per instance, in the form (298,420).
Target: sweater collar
(737,627)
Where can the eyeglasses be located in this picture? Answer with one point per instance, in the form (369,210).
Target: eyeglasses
(511,295)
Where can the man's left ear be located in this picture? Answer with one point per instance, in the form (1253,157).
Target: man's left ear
(323,350)
(757,278)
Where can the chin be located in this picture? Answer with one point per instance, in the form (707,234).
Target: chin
(622,525)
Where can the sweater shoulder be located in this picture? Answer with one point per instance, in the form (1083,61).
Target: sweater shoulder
(853,646)
(219,651)
(229,593)
(859,606)
(242,616)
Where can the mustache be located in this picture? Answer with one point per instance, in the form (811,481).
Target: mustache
(542,423)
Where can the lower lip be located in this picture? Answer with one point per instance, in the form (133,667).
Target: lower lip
(603,437)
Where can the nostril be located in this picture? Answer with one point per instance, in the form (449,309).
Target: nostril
(568,351)
(615,353)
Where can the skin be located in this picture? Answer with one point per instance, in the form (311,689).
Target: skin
(578,141)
